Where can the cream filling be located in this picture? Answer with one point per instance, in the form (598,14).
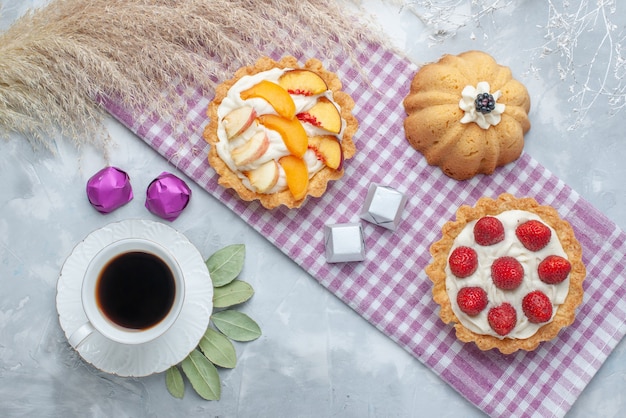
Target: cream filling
(530,260)
(277,148)
(468,104)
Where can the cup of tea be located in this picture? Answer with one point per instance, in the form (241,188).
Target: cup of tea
(132,292)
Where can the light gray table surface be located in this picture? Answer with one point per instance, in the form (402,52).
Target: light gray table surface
(316,357)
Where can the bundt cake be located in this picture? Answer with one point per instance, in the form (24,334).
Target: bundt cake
(466,114)
(508,273)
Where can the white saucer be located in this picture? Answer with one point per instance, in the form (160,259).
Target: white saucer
(168,349)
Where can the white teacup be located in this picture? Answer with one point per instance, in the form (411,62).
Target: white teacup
(132,293)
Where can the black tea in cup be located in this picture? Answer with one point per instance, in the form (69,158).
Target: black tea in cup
(135,290)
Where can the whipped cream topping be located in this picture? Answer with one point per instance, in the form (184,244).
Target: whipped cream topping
(277,148)
(530,260)
(468,105)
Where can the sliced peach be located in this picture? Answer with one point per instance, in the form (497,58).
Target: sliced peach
(291,130)
(251,150)
(238,120)
(301,81)
(264,177)
(296,174)
(328,150)
(275,95)
(323,114)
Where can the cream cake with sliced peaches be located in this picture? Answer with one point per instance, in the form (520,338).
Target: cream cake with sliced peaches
(507,273)
(279,131)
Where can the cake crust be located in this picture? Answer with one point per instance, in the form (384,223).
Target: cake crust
(318,183)
(440,251)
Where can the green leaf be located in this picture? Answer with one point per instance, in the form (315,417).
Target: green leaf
(236,325)
(233,293)
(174,382)
(226,264)
(202,375)
(217,348)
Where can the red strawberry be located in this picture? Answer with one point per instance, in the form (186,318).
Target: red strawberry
(463,262)
(533,234)
(553,269)
(472,300)
(507,273)
(537,307)
(488,231)
(502,319)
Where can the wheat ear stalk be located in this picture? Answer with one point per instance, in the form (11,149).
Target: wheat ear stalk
(59,62)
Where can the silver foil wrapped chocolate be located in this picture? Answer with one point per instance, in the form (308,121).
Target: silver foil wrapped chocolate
(344,242)
(109,189)
(383,206)
(167,196)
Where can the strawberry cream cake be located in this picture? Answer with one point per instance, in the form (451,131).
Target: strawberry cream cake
(279,131)
(508,273)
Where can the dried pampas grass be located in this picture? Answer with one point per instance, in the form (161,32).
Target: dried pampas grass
(60,62)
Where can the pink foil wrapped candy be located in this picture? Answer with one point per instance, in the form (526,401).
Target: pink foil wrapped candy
(167,196)
(109,189)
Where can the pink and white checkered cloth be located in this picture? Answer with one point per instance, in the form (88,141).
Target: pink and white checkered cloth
(390,288)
